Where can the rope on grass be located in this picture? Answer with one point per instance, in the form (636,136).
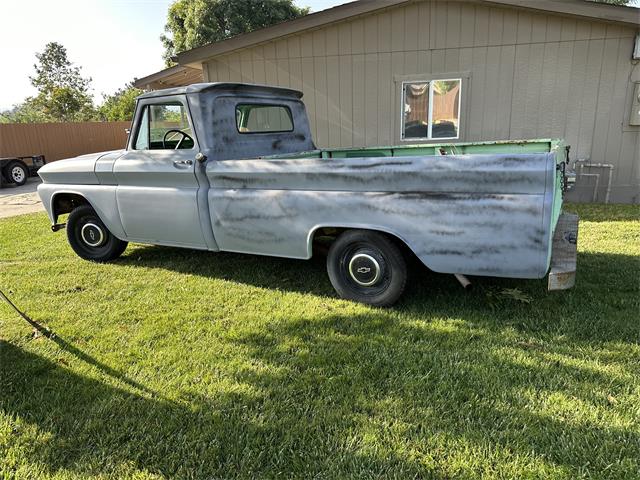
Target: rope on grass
(73,350)
(46,331)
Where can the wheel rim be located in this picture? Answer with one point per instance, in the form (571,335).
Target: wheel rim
(17,174)
(92,234)
(365,269)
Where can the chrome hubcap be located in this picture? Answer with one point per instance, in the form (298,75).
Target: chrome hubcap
(17,174)
(92,234)
(364,269)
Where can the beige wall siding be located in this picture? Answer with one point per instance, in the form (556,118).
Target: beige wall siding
(529,75)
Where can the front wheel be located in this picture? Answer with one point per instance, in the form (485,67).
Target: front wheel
(89,237)
(367,267)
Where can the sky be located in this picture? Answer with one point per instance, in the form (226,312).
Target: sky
(112,40)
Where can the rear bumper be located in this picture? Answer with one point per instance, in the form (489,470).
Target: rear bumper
(562,274)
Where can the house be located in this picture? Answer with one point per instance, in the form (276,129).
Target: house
(382,72)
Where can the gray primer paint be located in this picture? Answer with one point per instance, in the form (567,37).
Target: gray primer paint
(472,214)
(214,116)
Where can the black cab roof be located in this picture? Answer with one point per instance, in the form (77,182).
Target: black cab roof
(224,86)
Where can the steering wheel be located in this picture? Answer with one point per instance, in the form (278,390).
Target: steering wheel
(184,137)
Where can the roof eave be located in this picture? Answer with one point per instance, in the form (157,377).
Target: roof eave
(578,8)
(157,79)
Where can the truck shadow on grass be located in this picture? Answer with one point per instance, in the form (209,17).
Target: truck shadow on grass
(344,396)
(604,299)
(448,383)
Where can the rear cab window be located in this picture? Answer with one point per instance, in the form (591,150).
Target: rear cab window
(263,118)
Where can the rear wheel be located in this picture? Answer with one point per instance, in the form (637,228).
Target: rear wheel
(367,267)
(17,173)
(89,237)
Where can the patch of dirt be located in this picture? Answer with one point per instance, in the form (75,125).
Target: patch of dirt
(20,200)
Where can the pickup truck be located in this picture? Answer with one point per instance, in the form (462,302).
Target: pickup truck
(233,167)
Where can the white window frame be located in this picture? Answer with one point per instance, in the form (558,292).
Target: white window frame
(429,137)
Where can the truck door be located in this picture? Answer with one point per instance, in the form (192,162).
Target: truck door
(157,186)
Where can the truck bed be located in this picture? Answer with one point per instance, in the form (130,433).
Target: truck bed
(541,145)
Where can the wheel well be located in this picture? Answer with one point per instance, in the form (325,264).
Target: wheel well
(323,237)
(20,162)
(66,202)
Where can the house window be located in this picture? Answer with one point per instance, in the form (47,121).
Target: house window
(431,109)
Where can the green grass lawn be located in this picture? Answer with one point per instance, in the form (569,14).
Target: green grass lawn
(184,364)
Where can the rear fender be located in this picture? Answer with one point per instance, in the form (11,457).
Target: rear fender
(354,226)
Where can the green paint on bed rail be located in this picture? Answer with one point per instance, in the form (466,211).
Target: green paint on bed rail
(463,148)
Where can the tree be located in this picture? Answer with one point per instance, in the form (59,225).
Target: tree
(63,93)
(193,23)
(26,112)
(65,104)
(55,70)
(119,106)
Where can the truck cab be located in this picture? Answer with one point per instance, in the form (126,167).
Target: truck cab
(176,132)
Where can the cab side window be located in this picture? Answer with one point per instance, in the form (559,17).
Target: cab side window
(164,126)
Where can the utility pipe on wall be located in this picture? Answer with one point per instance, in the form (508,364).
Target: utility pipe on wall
(583,162)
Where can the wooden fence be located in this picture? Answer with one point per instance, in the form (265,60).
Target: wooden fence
(61,140)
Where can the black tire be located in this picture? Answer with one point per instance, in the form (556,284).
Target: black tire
(17,172)
(367,267)
(89,237)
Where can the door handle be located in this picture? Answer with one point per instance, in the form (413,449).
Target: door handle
(182,162)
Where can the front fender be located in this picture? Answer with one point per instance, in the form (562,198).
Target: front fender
(101,197)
